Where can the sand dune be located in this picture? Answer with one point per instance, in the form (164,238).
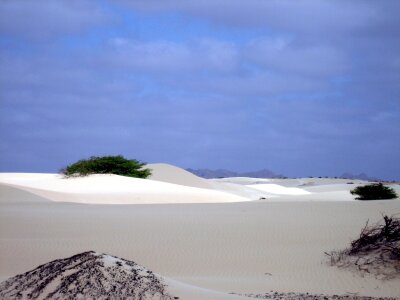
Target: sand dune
(112,189)
(171,174)
(235,186)
(91,275)
(204,251)
(242,190)
(299,182)
(242,180)
(278,189)
(305,189)
(228,247)
(13,195)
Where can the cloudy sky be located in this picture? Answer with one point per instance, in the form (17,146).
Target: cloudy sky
(299,87)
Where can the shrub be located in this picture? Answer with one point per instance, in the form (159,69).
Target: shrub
(107,165)
(374,191)
(376,251)
(386,235)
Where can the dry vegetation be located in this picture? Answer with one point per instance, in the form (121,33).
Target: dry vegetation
(376,251)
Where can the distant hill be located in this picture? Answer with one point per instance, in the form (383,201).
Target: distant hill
(263,173)
(361,176)
(223,173)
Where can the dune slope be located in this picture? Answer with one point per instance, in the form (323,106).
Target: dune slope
(91,275)
(112,189)
(171,174)
(12,195)
(86,275)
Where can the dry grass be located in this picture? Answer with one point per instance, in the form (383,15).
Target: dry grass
(376,251)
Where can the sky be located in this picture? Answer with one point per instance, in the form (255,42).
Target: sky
(300,87)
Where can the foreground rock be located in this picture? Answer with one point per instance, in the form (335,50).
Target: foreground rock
(88,275)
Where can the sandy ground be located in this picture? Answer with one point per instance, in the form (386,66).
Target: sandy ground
(243,247)
(113,189)
(172,174)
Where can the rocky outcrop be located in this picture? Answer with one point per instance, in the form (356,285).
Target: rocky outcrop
(88,275)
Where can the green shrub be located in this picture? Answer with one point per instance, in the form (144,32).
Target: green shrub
(374,191)
(107,165)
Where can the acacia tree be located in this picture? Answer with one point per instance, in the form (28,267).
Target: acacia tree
(374,191)
(117,165)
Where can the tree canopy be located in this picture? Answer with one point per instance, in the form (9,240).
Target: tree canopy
(374,191)
(117,165)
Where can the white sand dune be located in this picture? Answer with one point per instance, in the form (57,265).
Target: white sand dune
(235,186)
(278,189)
(204,250)
(246,247)
(299,182)
(283,190)
(91,275)
(12,195)
(242,190)
(242,180)
(333,187)
(288,182)
(112,189)
(271,189)
(171,174)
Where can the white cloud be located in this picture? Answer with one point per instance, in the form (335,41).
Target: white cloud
(283,55)
(166,56)
(45,19)
(298,16)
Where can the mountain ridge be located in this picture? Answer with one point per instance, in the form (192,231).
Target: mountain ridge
(223,173)
(265,173)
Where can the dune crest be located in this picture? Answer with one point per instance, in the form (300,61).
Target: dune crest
(172,174)
(278,189)
(112,189)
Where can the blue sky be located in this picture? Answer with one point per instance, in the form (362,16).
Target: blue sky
(299,87)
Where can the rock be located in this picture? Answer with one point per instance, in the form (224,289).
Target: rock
(87,275)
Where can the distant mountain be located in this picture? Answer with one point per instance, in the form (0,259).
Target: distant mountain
(361,176)
(222,173)
(207,173)
(264,173)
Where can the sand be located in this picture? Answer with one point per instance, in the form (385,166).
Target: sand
(171,174)
(278,189)
(112,189)
(205,250)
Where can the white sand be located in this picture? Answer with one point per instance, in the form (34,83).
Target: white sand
(278,189)
(220,247)
(112,189)
(171,174)
(243,180)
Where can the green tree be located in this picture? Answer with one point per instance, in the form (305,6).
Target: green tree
(374,191)
(107,165)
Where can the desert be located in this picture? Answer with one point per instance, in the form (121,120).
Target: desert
(202,238)
(203,149)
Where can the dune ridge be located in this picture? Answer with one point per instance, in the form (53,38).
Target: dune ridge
(113,189)
(171,174)
(204,250)
(278,189)
(92,275)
